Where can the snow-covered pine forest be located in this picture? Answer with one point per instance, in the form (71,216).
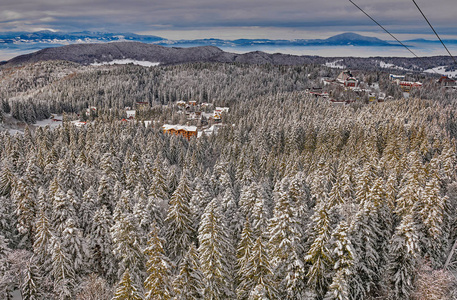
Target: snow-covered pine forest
(293,198)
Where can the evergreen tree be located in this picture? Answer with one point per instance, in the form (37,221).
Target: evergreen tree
(30,289)
(63,271)
(188,285)
(257,271)
(345,259)
(433,215)
(158,282)
(179,222)
(75,246)
(126,289)
(403,258)
(126,247)
(319,254)
(215,254)
(102,259)
(285,247)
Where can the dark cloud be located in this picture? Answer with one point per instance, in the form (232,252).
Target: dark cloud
(147,15)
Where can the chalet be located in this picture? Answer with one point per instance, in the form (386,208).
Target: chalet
(371,97)
(394,77)
(193,103)
(344,75)
(181,103)
(130,114)
(90,110)
(78,123)
(347,79)
(184,131)
(407,85)
(351,82)
(446,81)
(218,112)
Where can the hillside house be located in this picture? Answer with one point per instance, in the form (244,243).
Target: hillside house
(344,75)
(184,131)
(394,77)
(446,81)
(407,85)
(351,82)
(130,114)
(78,123)
(90,110)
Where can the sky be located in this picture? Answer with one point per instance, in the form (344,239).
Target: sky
(233,19)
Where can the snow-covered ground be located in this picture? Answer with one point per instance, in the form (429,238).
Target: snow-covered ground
(128,61)
(442,70)
(390,66)
(49,122)
(335,64)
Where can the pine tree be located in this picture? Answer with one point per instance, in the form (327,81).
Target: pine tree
(345,259)
(179,222)
(158,283)
(42,239)
(318,255)
(403,251)
(198,202)
(126,289)
(215,254)
(63,271)
(433,216)
(257,271)
(30,289)
(75,246)
(126,247)
(188,285)
(244,250)
(24,198)
(285,248)
(102,259)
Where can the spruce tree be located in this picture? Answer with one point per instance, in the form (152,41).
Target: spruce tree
(179,222)
(215,254)
(188,285)
(126,289)
(158,283)
(404,250)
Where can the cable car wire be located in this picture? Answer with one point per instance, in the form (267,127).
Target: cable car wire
(383,28)
(434,31)
(388,32)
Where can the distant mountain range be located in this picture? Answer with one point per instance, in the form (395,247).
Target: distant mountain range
(44,39)
(137,51)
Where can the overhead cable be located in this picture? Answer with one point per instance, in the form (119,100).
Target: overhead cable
(434,31)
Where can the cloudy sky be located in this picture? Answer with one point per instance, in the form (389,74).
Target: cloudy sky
(231,19)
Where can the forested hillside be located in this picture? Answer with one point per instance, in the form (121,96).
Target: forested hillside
(293,198)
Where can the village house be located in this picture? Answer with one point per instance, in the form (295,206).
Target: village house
(185,131)
(90,110)
(407,85)
(446,81)
(79,123)
(130,113)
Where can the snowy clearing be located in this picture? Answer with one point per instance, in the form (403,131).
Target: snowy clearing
(442,70)
(335,64)
(390,66)
(127,61)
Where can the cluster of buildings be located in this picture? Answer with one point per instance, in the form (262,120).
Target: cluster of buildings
(209,121)
(405,85)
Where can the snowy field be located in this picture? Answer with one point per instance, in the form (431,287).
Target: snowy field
(335,64)
(127,61)
(442,70)
(49,122)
